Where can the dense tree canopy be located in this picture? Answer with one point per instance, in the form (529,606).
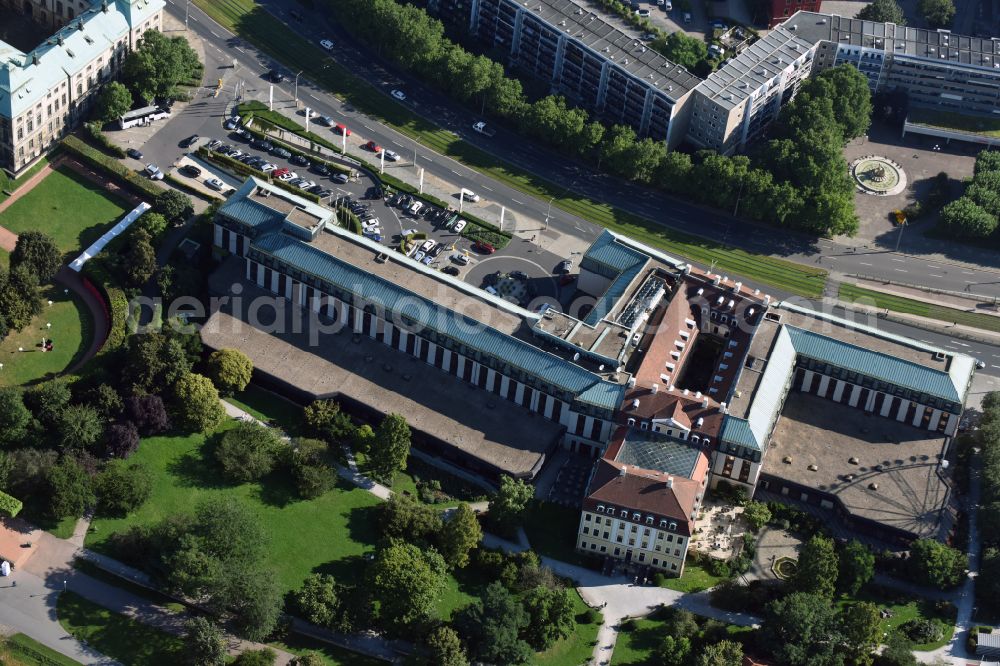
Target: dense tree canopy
(230,370)
(38,253)
(817,567)
(390,448)
(937,13)
(857,567)
(158,64)
(114,101)
(491,627)
(883,11)
(197,404)
(15,418)
(508,505)
(459,535)
(406,583)
(934,563)
(122,487)
(686,51)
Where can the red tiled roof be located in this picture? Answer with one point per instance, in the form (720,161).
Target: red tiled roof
(674,404)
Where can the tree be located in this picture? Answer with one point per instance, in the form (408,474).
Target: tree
(113,101)
(38,253)
(390,448)
(802,629)
(309,659)
(121,488)
(934,563)
(674,651)
(261,657)
(817,567)
(459,535)
(898,651)
(861,627)
(197,404)
(154,362)
(253,595)
(316,600)
(47,401)
(507,507)
(79,427)
(153,224)
(148,414)
(883,11)
(681,49)
(964,217)
(550,615)
(757,514)
(723,653)
(937,13)
(204,642)
(406,583)
(446,648)
(404,518)
(857,567)
(174,206)
(68,488)
(140,258)
(19,300)
(248,452)
(106,400)
(324,419)
(230,370)
(491,626)
(313,477)
(850,94)
(15,419)
(363,438)
(158,64)
(121,440)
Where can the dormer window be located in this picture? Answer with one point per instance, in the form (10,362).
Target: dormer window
(637,516)
(649,520)
(600,508)
(663,523)
(624,513)
(673,527)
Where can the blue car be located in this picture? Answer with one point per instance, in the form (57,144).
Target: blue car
(374,236)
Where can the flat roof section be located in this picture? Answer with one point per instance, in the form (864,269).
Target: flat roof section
(897,480)
(579,22)
(479,424)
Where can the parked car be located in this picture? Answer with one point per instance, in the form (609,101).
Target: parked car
(342,129)
(134,154)
(190,141)
(483,128)
(642,13)
(374,235)
(306,184)
(320,168)
(399,94)
(339,178)
(484,247)
(299,160)
(280,172)
(236,154)
(154,172)
(190,170)
(565,266)
(459,226)
(461,259)
(325,120)
(275,76)
(450,270)
(213,144)
(278,151)
(215,184)
(231,123)
(262,144)
(407,232)
(687,17)
(372,146)
(469,195)
(288,176)
(418,256)
(267,167)
(427,245)
(427,260)
(415,208)
(324,193)
(326,44)
(391,155)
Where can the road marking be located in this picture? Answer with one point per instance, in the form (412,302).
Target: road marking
(368,128)
(935,275)
(994,366)
(897,260)
(487,188)
(864,264)
(960,343)
(968,272)
(215,35)
(970,281)
(900,270)
(933,266)
(455,172)
(519,203)
(397,143)
(239,49)
(312,96)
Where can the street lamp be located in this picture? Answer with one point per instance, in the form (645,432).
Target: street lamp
(899,236)
(547,215)
(187,8)
(297,87)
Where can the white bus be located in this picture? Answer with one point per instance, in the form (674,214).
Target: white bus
(143,116)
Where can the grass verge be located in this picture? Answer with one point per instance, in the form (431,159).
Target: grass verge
(902,609)
(24,650)
(250,21)
(854,294)
(695,579)
(115,635)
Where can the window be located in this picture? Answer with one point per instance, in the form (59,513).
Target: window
(600,508)
(670,538)
(677,552)
(620,538)
(644,425)
(618,551)
(663,523)
(607,521)
(656,561)
(636,516)
(593,546)
(642,557)
(605,535)
(583,544)
(649,521)
(604,549)
(586,530)
(586,517)
(673,567)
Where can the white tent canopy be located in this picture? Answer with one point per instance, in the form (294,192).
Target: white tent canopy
(110,235)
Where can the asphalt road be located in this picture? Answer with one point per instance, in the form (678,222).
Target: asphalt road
(203,117)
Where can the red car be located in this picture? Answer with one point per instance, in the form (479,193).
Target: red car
(341,129)
(374,147)
(485,248)
(279,172)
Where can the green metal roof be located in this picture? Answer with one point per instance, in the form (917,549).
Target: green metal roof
(737,431)
(625,261)
(427,314)
(874,364)
(250,213)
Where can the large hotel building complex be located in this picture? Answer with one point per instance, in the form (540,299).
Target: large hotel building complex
(599,67)
(673,379)
(47,90)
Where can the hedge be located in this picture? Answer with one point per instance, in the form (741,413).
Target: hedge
(494,238)
(101,138)
(182,184)
(97,272)
(352,220)
(10,506)
(295,150)
(240,167)
(139,184)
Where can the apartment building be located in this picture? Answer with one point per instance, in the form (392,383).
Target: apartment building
(47,91)
(583,57)
(736,103)
(936,68)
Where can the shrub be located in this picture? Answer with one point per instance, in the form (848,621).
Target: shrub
(9,506)
(593,616)
(719,568)
(122,488)
(121,440)
(921,630)
(659,579)
(148,414)
(230,370)
(627,625)
(99,137)
(248,451)
(135,182)
(263,657)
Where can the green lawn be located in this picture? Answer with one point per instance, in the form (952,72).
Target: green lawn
(579,646)
(115,635)
(11,185)
(552,530)
(329,534)
(332,655)
(71,332)
(29,652)
(853,293)
(904,609)
(71,209)
(637,647)
(253,23)
(958,122)
(269,407)
(695,579)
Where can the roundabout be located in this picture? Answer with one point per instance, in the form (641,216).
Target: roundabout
(877,175)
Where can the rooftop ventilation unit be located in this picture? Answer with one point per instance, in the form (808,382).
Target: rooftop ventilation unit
(655,388)
(670,482)
(635,403)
